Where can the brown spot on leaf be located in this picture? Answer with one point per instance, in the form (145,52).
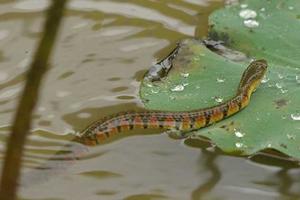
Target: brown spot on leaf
(280,103)
(229,127)
(283,145)
(224,126)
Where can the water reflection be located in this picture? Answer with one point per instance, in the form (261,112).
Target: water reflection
(94,114)
(284,179)
(211,167)
(104,49)
(286,183)
(208,158)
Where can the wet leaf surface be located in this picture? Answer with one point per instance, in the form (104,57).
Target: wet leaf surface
(272,118)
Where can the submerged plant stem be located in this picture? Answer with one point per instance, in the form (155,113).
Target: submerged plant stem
(22,120)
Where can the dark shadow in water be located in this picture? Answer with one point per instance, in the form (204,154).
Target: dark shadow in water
(285,184)
(209,158)
(281,181)
(215,172)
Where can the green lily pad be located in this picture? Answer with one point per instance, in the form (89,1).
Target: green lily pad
(200,78)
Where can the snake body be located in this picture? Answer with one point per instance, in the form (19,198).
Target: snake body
(100,131)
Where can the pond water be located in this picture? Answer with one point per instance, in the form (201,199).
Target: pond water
(104,49)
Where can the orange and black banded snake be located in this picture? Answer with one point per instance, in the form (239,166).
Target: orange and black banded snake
(101,130)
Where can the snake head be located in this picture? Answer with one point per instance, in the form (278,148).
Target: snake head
(260,67)
(253,75)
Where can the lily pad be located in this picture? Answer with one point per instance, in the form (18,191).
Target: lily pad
(200,78)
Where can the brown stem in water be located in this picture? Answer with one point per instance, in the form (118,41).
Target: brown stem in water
(22,120)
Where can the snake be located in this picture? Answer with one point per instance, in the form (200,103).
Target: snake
(182,121)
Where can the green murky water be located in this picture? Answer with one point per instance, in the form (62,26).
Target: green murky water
(101,55)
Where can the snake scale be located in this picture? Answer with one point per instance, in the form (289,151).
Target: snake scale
(101,130)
